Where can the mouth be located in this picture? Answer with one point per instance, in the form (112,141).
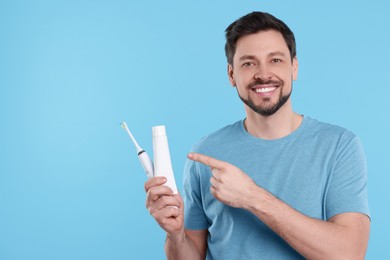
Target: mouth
(264,89)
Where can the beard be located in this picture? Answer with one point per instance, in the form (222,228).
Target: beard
(268,108)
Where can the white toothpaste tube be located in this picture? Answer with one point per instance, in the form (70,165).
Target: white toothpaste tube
(162,157)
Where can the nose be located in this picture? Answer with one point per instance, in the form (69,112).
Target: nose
(263,72)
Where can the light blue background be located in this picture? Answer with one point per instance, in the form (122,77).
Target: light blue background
(71,186)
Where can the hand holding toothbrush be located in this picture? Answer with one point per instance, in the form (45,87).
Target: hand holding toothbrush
(165,207)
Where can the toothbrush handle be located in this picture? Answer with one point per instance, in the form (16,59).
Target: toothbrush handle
(146,163)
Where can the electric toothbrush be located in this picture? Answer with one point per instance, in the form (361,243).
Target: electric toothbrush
(143,157)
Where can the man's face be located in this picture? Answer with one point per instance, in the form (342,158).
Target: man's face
(263,72)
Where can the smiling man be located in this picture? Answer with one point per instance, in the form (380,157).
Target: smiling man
(275,185)
(253,70)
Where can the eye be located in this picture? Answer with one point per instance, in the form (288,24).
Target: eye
(247,64)
(276,60)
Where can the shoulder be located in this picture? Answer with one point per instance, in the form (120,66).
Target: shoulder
(328,131)
(219,137)
(332,137)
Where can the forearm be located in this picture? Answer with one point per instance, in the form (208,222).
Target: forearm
(181,247)
(344,236)
(313,238)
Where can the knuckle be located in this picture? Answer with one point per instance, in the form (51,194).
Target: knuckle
(163,199)
(149,198)
(154,214)
(149,204)
(166,200)
(152,193)
(172,211)
(164,221)
(208,160)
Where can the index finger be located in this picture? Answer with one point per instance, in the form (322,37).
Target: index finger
(155,181)
(207,160)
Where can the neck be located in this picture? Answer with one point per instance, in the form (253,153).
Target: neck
(282,123)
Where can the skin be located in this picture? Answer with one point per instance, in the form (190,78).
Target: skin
(260,57)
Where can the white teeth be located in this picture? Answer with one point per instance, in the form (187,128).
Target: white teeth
(264,90)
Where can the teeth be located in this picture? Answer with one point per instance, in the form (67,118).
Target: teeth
(264,90)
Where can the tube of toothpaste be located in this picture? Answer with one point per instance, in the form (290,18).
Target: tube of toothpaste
(162,157)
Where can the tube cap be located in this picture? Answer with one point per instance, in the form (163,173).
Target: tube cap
(158,130)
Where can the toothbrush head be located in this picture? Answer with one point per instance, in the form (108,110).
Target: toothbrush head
(124,125)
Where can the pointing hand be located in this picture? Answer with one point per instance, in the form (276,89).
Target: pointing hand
(229,184)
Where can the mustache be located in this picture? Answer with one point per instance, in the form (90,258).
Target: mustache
(264,82)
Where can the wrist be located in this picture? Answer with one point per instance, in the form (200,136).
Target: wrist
(253,199)
(178,237)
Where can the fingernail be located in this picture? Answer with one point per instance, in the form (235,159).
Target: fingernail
(190,155)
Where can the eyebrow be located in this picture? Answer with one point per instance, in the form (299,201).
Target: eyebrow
(271,54)
(247,57)
(277,53)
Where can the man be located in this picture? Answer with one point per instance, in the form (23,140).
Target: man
(276,185)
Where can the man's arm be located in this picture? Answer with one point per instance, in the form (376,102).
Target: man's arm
(192,246)
(168,210)
(345,236)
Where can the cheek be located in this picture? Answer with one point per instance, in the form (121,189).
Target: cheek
(287,86)
(241,85)
(244,79)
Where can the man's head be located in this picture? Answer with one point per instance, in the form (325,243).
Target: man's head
(253,23)
(261,62)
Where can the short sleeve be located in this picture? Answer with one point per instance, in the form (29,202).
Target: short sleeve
(348,184)
(194,216)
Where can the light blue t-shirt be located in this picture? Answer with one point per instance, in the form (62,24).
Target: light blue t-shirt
(319,169)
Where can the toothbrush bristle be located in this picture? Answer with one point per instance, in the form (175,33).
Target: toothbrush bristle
(124,125)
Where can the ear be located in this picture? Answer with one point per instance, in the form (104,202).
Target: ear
(295,68)
(231,75)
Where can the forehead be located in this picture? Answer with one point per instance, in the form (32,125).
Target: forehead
(261,44)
